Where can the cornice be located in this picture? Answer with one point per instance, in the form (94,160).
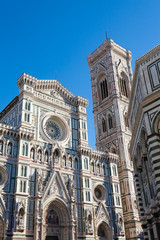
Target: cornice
(17,133)
(107,45)
(139,62)
(9,107)
(98,155)
(51,85)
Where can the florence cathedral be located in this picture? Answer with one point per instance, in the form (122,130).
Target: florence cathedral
(53,186)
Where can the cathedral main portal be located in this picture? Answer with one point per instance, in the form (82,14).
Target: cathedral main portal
(56,222)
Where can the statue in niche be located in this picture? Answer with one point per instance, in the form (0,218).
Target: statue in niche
(32,153)
(1,147)
(120,222)
(20,220)
(10,148)
(56,156)
(89,222)
(40,179)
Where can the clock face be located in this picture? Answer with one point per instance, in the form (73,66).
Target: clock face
(52,130)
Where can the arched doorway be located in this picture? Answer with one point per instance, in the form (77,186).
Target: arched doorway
(104,232)
(56,221)
(1,229)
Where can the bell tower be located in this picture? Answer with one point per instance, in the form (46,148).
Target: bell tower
(111,78)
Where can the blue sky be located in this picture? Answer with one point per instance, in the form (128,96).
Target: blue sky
(51,39)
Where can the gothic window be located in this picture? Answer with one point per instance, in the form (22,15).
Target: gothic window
(88,196)
(22,186)
(86,163)
(117,200)
(123,87)
(114,170)
(116,188)
(126,121)
(27,106)
(26,117)
(110,121)
(76,163)
(104,89)
(104,125)
(87,183)
(25,149)
(24,171)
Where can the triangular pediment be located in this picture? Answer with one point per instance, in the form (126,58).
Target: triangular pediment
(56,187)
(102,214)
(56,90)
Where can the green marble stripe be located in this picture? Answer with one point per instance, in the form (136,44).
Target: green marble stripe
(154,148)
(156,161)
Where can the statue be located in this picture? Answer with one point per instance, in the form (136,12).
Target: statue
(40,181)
(20,220)
(10,149)
(89,222)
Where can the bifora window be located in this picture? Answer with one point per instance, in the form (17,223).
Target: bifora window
(123,86)
(104,89)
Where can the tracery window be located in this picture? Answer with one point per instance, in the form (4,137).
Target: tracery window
(126,121)
(123,87)
(104,89)
(104,125)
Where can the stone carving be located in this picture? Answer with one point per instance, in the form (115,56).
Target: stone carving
(89,222)
(40,181)
(20,216)
(10,148)
(70,186)
(120,223)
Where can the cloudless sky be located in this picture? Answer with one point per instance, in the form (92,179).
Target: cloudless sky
(52,39)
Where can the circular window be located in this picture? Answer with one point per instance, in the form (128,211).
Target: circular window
(3,176)
(100,193)
(55,128)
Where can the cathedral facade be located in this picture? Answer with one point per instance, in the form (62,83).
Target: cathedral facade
(53,186)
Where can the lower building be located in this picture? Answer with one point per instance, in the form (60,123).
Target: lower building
(144,114)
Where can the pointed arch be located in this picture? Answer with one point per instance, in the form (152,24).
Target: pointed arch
(104,125)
